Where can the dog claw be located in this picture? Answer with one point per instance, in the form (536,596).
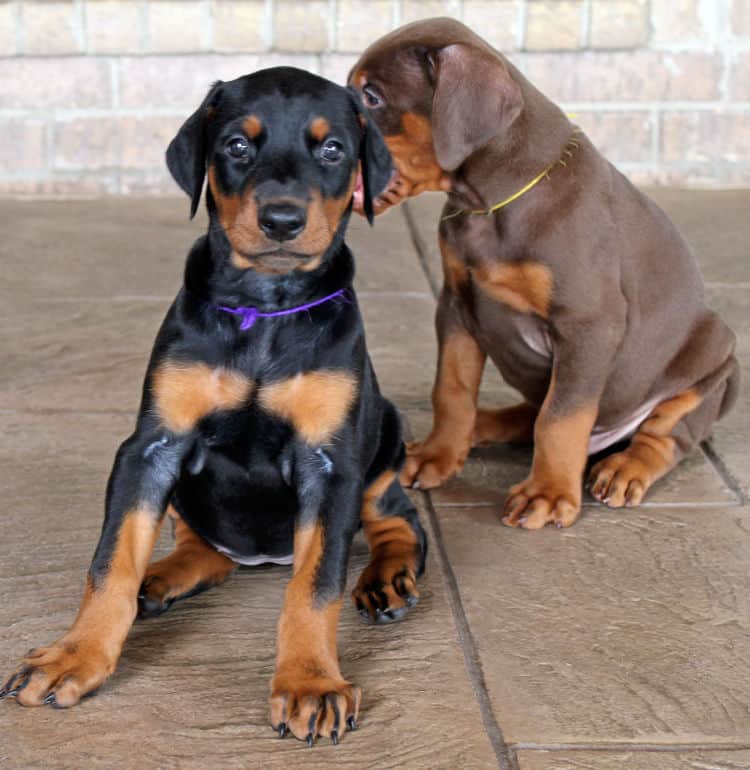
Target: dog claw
(50,699)
(310,740)
(282,730)
(351,723)
(335,737)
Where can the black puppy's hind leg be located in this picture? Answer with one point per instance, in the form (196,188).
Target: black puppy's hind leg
(387,588)
(192,567)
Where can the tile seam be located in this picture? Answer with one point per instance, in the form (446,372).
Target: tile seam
(420,248)
(506,757)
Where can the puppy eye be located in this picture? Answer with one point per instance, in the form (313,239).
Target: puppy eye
(238,147)
(331,151)
(372,98)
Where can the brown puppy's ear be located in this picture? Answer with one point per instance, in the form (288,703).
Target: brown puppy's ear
(186,154)
(475,99)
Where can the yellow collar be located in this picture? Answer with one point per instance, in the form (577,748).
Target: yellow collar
(572,142)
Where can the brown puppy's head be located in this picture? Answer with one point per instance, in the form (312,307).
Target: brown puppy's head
(281,149)
(438,93)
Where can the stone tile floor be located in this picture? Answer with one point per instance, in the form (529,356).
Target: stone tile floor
(623,642)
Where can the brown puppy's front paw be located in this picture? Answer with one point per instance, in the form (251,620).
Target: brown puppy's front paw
(59,675)
(386,590)
(532,504)
(429,464)
(308,705)
(620,480)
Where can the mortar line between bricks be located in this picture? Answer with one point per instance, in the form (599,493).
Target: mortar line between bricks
(506,757)
(420,248)
(725,474)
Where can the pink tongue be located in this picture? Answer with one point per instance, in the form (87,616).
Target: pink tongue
(359,198)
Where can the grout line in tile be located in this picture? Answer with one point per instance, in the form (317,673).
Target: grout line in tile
(54,411)
(420,248)
(724,473)
(170,298)
(625,746)
(742,285)
(506,757)
(598,506)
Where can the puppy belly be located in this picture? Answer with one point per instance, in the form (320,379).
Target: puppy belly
(256,559)
(250,523)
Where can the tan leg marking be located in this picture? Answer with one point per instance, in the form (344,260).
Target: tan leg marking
(185,393)
(308,694)
(514,424)
(525,286)
(443,453)
(81,661)
(193,565)
(315,403)
(623,478)
(552,491)
(387,587)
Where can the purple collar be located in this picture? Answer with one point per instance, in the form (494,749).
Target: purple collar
(251,314)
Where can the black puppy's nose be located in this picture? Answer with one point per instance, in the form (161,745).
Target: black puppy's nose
(282,221)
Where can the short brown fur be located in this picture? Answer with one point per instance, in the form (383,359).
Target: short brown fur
(576,274)
(454,400)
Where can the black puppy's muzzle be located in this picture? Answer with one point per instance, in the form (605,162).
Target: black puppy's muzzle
(282,221)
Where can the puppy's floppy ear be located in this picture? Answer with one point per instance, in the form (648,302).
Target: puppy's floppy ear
(374,159)
(475,99)
(186,154)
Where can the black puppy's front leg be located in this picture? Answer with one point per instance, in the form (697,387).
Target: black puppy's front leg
(145,471)
(309,696)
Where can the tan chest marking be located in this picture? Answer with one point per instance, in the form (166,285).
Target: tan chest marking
(525,286)
(185,393)
(315,403)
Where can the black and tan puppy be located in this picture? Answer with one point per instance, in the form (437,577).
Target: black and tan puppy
(261,429)
(571,281)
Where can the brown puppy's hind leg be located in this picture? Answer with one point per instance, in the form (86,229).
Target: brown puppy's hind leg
(513,424)
(192,567)
(671,431)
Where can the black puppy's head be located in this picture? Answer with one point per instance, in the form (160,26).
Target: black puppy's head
(282,149)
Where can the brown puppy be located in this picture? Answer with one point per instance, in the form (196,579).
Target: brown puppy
(575,284)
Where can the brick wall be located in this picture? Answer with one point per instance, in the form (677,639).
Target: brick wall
(91,91)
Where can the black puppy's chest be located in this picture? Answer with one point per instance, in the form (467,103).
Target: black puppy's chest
(238,492)
(261,422)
